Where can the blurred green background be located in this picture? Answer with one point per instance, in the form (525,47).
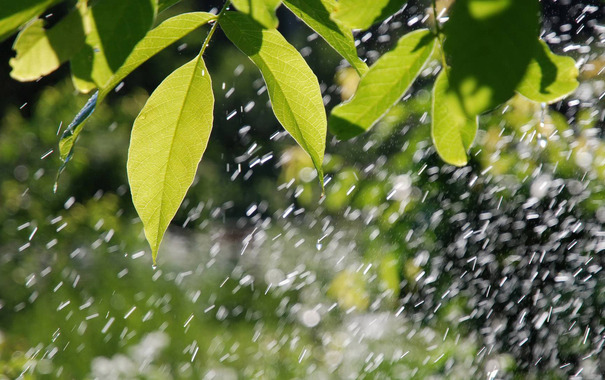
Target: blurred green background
(407,268)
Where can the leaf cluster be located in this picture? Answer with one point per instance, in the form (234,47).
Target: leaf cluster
(489,50)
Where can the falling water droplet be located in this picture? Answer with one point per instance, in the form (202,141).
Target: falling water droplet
(542,115)
(318,246)
(541,141)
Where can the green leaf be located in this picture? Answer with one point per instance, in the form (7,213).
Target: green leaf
(549,77)
(361,14)
(452,130)
(168,140)
(263,11)
(113,29)
(383,85)
(165,34)
(41,51)
(165,4)
(489,45)
(14,13)
(316,14)
(292,86)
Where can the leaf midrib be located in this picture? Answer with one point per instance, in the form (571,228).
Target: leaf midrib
(170,152)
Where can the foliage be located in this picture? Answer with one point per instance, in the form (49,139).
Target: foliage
(418,222)
(491,47)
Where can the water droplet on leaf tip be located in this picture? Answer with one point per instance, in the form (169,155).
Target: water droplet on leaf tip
(154,267)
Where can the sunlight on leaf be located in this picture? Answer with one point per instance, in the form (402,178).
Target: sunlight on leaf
(489,45)
(293,88)
(168,140)
(113,28)
(361,14)
(316,14)
(383,85)
(162,36)
(452,131)
(549,77)
(263,11)
(41,51)
(14,13)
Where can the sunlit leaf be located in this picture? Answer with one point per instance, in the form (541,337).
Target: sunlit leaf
(383,85)
(316,14)
(549,77)
(14,13)
(113,29)
(155,41)
(292,86)
(452,130)
(41,51)
(168,140)
(263,11)
(361,14)
(489,45)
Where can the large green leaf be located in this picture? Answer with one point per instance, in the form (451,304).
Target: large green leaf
(452,130)
(361,14)
(168,140)
(316,14)
(263,11)
(14,13)
(41,51)
(489,45)
(113,29)
(156,40)
(549,77)
(383,85)
(292,86)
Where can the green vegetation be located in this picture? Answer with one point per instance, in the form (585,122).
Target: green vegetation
(490,47)
(457,233)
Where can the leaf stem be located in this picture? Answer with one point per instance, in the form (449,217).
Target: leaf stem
(211,32)
(437,27)
(439,34)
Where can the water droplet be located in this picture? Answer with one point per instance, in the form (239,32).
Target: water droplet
(154,267)
(318,246)
(542,115)
(541,141)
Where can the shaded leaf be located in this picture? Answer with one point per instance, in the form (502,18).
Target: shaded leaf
(361,14)
(549,77)
(293,88)
(165,34)
(489,45)
(41,51)
(316,14)
(168,140)
(383,85)
(165,4)
(263,11)
(113,29)
(452,130)
(14,13)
